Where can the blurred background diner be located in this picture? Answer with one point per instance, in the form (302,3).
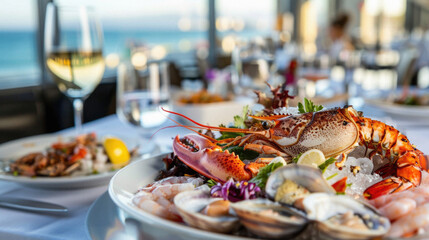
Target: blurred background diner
(327,50)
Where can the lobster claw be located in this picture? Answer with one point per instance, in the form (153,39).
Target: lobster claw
(209,160)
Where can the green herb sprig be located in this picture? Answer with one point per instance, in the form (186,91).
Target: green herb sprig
(211,183)
(296,158)
(308,106)
(325,165)
(264,174)
(240,119)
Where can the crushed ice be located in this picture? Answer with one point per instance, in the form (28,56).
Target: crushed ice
(286,110)
(363,179)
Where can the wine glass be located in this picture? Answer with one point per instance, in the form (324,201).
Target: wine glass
(253,67)
(140,95)
(73,53)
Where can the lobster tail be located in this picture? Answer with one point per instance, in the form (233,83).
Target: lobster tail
(406,162)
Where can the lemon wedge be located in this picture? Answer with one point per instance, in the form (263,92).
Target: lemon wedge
(116,150)
(312,157)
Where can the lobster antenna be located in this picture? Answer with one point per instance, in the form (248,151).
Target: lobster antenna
(191,128)
(202,126)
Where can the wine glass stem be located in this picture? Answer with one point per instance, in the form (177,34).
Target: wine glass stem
(78,110)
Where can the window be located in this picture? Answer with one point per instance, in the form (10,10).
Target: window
(18,46)
(172,28)
(244,20)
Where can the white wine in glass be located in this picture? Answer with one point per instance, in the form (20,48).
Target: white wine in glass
(76,73)
(73,52)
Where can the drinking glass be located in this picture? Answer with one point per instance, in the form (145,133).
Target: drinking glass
(140,96)
(73,53)
(253,67)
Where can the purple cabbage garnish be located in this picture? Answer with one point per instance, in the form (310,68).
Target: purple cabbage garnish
(235,191)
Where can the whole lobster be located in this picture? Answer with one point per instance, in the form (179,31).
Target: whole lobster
(335,132)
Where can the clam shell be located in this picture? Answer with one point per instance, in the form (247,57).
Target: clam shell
(321,206)
(309,177)
(268,225)
(190,203)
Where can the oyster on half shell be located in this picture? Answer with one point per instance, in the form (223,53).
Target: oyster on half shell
(190,204)
(328,211)
(268,219)
(305,176)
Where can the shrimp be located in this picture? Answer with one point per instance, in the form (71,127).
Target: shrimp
(148,203)
(397,209)
(157,198)
(419,218)
(172,180)
(420,194)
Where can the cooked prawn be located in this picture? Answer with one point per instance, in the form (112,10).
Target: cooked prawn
(419,194)
(399,208)
(412,222)
(157,198)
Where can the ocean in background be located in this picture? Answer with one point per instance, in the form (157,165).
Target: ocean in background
(18,50)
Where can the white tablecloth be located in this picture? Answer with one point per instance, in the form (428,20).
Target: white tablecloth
(17,225)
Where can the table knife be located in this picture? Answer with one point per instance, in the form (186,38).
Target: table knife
(31,205)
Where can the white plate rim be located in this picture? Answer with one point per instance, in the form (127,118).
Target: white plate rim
(399,109)
(121,200)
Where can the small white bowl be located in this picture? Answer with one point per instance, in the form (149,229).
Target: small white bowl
(212,114)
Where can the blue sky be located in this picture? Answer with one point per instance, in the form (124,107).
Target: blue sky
(138,14)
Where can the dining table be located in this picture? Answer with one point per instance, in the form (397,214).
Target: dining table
(20,225)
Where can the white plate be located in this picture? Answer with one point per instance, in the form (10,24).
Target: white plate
(401,111)
(18,148)
(128,180)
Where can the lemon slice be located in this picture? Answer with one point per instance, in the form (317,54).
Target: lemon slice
(313,157)
(116,150)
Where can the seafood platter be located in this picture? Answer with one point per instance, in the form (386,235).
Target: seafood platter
(55,161)
(283,173)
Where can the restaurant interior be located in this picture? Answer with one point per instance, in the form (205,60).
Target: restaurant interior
(383,39)
(145,71)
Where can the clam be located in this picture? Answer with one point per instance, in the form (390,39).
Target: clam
(342,217)
(190,204)
(268,219)
(308,177)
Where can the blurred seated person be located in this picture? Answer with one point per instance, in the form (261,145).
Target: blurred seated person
(338,35)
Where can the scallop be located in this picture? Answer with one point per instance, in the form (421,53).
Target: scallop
(327,210)
(190,204)
(308,177)
(268,219)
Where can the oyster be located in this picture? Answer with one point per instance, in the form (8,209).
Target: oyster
(190,204)
(342,217)
(306,177)
(268,219)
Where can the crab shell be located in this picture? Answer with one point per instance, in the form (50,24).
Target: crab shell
(189,205)
(309,177)
(322,206)
(268,219)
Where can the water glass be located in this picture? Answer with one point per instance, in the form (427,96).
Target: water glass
(141,94)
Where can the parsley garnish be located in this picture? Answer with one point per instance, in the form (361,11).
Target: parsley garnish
(296,158)
(308,106)
(264,173)
(239,120)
